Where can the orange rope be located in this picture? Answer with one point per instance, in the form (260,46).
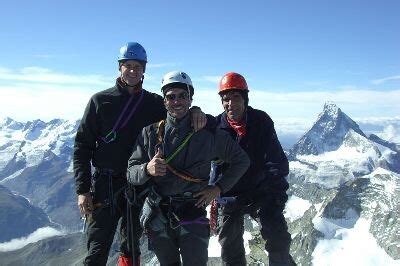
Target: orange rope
(184,176)
(160,133)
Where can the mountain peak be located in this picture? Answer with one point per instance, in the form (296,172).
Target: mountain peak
(6,121)
(331,109)
(327,133)
(10,123)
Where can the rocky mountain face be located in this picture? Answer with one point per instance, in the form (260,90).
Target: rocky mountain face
(350,181)
(36,163)
(18,217)
(344,188)
(327,133)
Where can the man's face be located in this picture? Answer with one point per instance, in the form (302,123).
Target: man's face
(233,104)
(177,102)
(131,72)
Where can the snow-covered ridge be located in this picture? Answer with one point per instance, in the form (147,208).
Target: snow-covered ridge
(357,156)
(27,143)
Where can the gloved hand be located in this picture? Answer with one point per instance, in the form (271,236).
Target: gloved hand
(147,213)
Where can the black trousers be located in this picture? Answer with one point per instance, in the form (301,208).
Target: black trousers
(103,222)
(187,241)
(273,229)
(179,233)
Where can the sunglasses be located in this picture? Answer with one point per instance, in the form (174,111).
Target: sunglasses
(180,96)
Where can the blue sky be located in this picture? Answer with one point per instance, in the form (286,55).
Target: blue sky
(295,54)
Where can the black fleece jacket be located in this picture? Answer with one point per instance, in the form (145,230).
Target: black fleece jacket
(99,118)
(268,163)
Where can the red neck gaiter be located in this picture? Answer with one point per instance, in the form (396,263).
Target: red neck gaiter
(239,127)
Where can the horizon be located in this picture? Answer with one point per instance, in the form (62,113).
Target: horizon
(290,131)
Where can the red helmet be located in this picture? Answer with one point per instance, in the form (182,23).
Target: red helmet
(232,81)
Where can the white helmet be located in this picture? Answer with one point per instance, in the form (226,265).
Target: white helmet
(177,79)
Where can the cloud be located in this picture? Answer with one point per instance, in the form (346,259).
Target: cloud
(36,236)
(391,133)
(383,80)
(307,105)
(47,76)
(40,93)
(45,101)
(379,120)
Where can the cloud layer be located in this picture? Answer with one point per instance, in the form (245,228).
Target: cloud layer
(36,236)
(383,80)
(34,92)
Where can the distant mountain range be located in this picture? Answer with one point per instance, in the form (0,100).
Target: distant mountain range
(340,180)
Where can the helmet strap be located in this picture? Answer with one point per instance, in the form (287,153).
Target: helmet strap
(188,90)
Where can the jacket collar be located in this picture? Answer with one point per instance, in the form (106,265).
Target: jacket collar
(181,123)
(223,123)
(123,88)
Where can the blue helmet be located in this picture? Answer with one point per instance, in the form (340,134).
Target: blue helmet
(132,51)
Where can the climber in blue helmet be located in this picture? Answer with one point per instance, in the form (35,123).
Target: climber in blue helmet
(112,120)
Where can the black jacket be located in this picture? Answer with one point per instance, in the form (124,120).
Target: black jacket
(268,163)
(98,120)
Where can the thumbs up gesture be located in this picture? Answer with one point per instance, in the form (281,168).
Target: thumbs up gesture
(157,165)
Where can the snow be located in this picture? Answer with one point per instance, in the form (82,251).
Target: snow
(341,156)
(35,130)
(214,248)
(388,181)
(298,165)
(7,151)
(296,207)
(391,133)
(32,141)
(14,175)
(36,236)
(331,109)
(351,246)
(246,237)
(356,155)
(319,206)
(71,167)
(329,227)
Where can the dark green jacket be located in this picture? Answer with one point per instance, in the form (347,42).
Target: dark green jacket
(195,158)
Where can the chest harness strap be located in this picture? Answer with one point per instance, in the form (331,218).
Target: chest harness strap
(179,173)
(112,135)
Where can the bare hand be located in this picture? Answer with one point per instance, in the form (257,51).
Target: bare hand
(207,195)
(157,166)
(85,203)
(198,119)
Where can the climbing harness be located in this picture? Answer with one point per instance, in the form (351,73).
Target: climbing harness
(178,203)
(177,172)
